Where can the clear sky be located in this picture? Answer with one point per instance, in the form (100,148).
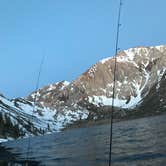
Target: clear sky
(73,34)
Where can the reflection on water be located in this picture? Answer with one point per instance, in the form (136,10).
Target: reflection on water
(9,159)
(140,142)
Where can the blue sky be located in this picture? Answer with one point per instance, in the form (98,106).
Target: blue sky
(72,34)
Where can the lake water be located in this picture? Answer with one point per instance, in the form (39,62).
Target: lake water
(139,142)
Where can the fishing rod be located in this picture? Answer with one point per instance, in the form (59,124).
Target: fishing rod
(114,79)
(34,103)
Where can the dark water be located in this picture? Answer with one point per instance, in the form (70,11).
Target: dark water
(140,142)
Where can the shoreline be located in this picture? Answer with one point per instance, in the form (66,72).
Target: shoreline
(89,123)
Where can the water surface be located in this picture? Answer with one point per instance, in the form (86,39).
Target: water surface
(139,142)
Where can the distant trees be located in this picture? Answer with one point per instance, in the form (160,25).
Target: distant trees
(9,129)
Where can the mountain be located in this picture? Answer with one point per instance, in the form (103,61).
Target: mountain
(20,117)
(138,69)
(140,87)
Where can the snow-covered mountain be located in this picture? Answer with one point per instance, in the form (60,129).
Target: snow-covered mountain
(140,82)
(20,117)
(138,69)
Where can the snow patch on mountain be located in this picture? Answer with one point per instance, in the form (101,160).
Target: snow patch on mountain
(68,117)
(160,47)
(105,60)
(126,58)
(3,140)
(160,74)
(105,101)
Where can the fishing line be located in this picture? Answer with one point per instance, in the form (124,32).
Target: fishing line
(34,103)
(114,79)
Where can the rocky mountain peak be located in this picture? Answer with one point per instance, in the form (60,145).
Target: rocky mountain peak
(47,96)
(137,71)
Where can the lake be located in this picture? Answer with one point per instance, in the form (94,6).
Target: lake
(138,142)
